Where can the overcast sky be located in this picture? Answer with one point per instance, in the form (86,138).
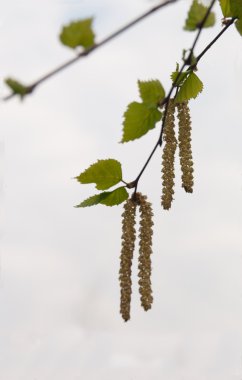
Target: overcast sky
(59,290)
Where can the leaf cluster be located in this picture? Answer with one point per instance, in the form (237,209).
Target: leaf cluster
(105,174)
(139,118)
(189,86)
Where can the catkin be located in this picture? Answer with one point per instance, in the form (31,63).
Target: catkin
(168,157)
(128,243)
(185,150)
(145,251)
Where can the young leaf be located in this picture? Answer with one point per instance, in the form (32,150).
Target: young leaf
(78,33)
(94,200)
(104,173)
(151,92)
(139,118)
(196,15)
(17,87)
(181,79)
(233,8)
(189,89)
(236,8)
(107,198)
(225,6)
(238,25)
(115,197)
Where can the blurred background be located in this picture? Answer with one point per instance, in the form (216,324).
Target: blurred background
(59,289)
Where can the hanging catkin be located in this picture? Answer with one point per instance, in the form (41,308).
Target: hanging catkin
(185,150)
(145,251)
(168,157)
(128,243)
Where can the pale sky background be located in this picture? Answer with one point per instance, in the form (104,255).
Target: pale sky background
(59,289)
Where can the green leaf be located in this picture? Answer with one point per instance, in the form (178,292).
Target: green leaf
(190,88)
(94,200)
(107,198)
(115,197)
(139,118)
(231,8)
(238,25)
(225,7)
(78,33)
(196,15)
(236,11)
(236,8)
(151,92)
(104,173)
(17,87)
(181,79)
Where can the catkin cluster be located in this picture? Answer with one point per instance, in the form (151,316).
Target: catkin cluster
(145,251)
(185,151)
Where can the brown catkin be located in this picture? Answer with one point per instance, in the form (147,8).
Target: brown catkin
(145,251)
(168,157)
(185,149)
(128,243)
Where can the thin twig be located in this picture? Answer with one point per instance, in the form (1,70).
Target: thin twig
(191,67)
(215,39)
(88,51)
(201,26)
